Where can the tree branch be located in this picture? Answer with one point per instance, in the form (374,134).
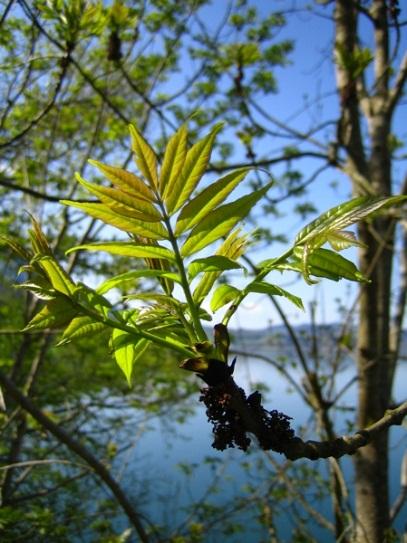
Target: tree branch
(234,415)
(79,449)
(397,90)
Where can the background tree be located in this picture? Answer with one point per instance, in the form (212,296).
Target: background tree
(74,74)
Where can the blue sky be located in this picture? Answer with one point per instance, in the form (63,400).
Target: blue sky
(310,79)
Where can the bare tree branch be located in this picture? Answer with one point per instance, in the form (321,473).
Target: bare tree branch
(64,437)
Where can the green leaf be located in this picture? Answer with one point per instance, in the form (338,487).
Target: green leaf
(126,248)
(122,279)
(58,277)
(262,287)
(194,167)
(81,327)
(145,157)
(125,180)
(173,161)
(343,240)
(162,299)
(123,203)
(92,301)
(126,224)
(328,264)
(213,263)
(220,222)
(342,216)
(222,296)
(127,350)
(56,314)
(233,247)
(208,199)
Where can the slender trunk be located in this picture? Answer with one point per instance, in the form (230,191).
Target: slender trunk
(370,173)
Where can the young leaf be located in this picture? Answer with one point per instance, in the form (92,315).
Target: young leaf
(213,263)
(262,287)
(123,203)
(126,181)
(193,212)
(328,264)
(123,278)
(127,350)
(233,247)
(59,279)
(145,157)
(194,167)
(57,313)
(173,161)
(342,216)
(126,224)
(220,222)
(222,296)
(80,327)
(126,248)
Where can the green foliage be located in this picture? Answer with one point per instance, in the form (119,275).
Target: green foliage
(167,223)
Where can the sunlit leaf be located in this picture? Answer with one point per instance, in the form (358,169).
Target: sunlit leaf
(328,264)
(123,203)
(125,180)
(132,276)
(152,230)
(220,222)
(193,212)
(343,240)
(58,277)
(222,296)
(213,263)
(262,287)
(233,247)
(145,157)
(127,349)
(343,215)
(194,167)
(127,249)
(81,327)
(173,161)
(163,299)
(56,314)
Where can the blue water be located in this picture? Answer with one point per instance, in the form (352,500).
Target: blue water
(157,455)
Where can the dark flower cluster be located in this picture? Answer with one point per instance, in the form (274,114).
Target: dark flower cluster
(228,429)
(228,426)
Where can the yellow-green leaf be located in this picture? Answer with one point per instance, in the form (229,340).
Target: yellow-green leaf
(233,247)
(263,287)
(55,314)
(132,276)
(173,161)
(220,222)
(128,249)
(58,277)
(194,167)
(125,180)
(127,350)
(222,296)
(145,157)
(194,211)
(213,263)
(81,327)
(122,202)
(151,230)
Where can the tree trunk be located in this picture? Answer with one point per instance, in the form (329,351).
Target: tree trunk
(370,172)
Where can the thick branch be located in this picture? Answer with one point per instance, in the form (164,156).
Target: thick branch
(229,402)
(78,449)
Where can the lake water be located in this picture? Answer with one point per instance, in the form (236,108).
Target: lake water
(157,455)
